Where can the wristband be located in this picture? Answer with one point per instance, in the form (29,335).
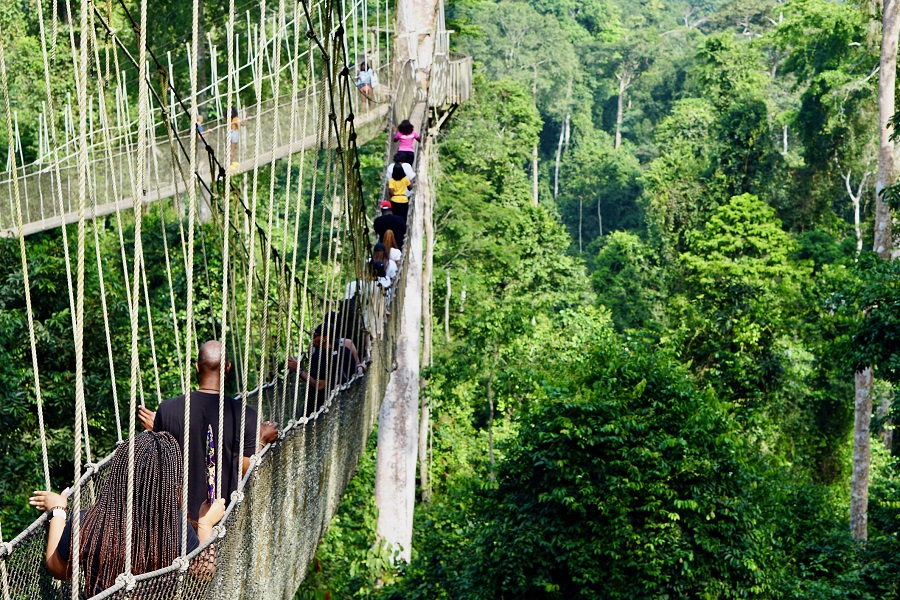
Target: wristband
(57,512)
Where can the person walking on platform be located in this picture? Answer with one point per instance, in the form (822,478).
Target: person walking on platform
(388,221)
(234,135)
(406,137)
(407,168)
(236,452)
(365,81)
(397,186)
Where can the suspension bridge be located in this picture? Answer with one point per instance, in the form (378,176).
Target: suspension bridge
(129,141)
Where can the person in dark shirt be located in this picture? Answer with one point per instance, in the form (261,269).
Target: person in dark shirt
(235,452)
(331,363)
(156,518)
(388,220)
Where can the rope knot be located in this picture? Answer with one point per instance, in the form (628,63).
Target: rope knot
(345,71)
(182,563)
(6,549)
(237,496)
(310,34)
(126,579)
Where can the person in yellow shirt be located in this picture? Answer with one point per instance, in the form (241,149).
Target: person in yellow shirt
(396,191)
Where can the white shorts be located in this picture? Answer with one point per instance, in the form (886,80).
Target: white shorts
(235,136)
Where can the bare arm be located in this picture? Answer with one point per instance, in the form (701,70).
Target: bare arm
(204,566)
(349,345)
(43,500)
(268,433)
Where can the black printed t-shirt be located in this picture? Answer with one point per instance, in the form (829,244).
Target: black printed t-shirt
(205,412)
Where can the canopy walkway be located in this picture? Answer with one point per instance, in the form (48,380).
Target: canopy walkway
(283,270)
(285,125)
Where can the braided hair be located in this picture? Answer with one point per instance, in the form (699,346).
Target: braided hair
(156,537)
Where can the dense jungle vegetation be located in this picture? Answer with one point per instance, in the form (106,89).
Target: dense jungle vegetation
(645,388)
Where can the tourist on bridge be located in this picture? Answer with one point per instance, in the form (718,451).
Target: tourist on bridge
(380,254)
(388,221)
(156,518)
(236,453)
(407,168)
(393,252)
(234,135)
(406,137)
(397,187)
(331,363)
(365,81)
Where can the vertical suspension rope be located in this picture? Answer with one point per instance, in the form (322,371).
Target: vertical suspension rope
(225,251)
(267,255)
(284,329)
(106,328)
(192,218)
(26,283)
(82,153)
(245,365)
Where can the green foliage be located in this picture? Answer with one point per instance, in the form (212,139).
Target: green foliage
(516,41)
(599,188)
(623,481)
(626,280)
(875,296)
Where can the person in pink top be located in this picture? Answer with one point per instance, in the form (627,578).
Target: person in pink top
(406,137)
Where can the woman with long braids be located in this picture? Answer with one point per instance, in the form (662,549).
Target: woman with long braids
(156,521)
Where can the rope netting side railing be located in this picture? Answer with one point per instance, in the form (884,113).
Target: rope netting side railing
(262,547)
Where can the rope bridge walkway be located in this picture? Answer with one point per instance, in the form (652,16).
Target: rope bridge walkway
(271,267)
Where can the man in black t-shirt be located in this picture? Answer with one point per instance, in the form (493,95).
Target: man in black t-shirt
(331,363)
(204,414)
(388,220)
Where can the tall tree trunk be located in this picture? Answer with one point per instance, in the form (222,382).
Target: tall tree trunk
(855,199)
(624,80)
(599,218)
(859,487)
(447,311)
(580,213)
(559,147)
(427,206)
(398,423)
(887,76)
(490,399)
(534,150)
